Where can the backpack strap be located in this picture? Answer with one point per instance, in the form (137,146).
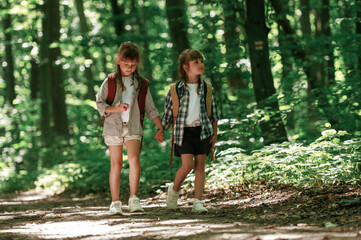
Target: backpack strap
(141,103)
(175,99)
(175,102)
(111,88)
(141,99)
(112,85)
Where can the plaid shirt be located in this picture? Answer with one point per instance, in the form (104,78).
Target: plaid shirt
(180,122)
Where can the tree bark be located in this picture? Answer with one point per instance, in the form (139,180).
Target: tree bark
(44,79)
(88,74)
(117,11)
(272,130)
(10,94)
(177,21)
(56,72)
(231,37)
(142,14)
(34,79)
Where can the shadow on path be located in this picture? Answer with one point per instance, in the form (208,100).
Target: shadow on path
(259,215)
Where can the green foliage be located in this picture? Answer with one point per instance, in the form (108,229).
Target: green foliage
(331,159)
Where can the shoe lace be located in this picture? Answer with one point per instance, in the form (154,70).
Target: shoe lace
(135,201)
(116,205)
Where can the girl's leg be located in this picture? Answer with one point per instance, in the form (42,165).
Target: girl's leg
(116,165)
(133,147)
(187,166)
(199,168)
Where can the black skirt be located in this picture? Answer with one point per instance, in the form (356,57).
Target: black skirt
(192,143)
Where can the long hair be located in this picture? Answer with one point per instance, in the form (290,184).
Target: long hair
(128,51)
(184,58)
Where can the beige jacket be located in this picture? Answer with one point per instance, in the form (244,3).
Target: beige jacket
(113,121)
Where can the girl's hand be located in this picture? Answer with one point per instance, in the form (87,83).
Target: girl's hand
(121,107)
(159,135)
(213,140)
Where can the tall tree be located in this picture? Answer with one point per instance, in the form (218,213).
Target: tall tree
(89,79)
(273,130)
(118,21)
(142,15)
(9,59)
(57,89)
(177,21)
(44,78)
(324,30)
(231,37)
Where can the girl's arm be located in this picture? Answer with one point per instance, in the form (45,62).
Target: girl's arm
(167,118)
(214,118)
(159,134)
(214,136)
(119,107)
(150,109)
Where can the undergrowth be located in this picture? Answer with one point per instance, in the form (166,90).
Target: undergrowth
(328,160)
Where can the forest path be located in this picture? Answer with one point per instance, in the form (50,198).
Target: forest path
(259,215)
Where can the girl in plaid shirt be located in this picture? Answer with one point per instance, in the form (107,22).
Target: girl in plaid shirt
(194,132)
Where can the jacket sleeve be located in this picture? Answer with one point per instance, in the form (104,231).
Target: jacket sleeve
(101,98)
(150,109)
(214,116)
(167,118)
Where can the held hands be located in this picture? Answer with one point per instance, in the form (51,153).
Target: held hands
(121,107)
(159,135)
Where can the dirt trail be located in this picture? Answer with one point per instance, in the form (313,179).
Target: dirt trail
(258,215)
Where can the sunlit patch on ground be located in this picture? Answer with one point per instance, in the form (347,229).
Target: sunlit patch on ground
(260,215)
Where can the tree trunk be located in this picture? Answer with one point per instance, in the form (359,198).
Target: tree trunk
(326,31)
(272,130)
(142,13)
(10,94)
(177,21)
(117,11)
(44,80)
(56,72)
(34,79)
(89,80)
(231,37)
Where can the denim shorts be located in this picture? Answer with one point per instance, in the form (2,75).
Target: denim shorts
(120,140)
(192,143)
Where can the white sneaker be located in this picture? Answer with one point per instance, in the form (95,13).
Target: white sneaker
(172,197)
(134,204)
(198,207)
(115,208)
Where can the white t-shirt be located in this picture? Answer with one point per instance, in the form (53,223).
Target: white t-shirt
(193,115)
(127,96)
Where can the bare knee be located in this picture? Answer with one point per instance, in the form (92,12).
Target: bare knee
(134,161)
(187,168)
(116,167)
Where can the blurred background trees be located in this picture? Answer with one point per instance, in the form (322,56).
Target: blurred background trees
(282,71)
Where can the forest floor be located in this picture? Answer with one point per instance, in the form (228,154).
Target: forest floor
(264,213)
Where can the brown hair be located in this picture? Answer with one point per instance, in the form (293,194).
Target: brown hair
(128,51)
(184,58)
